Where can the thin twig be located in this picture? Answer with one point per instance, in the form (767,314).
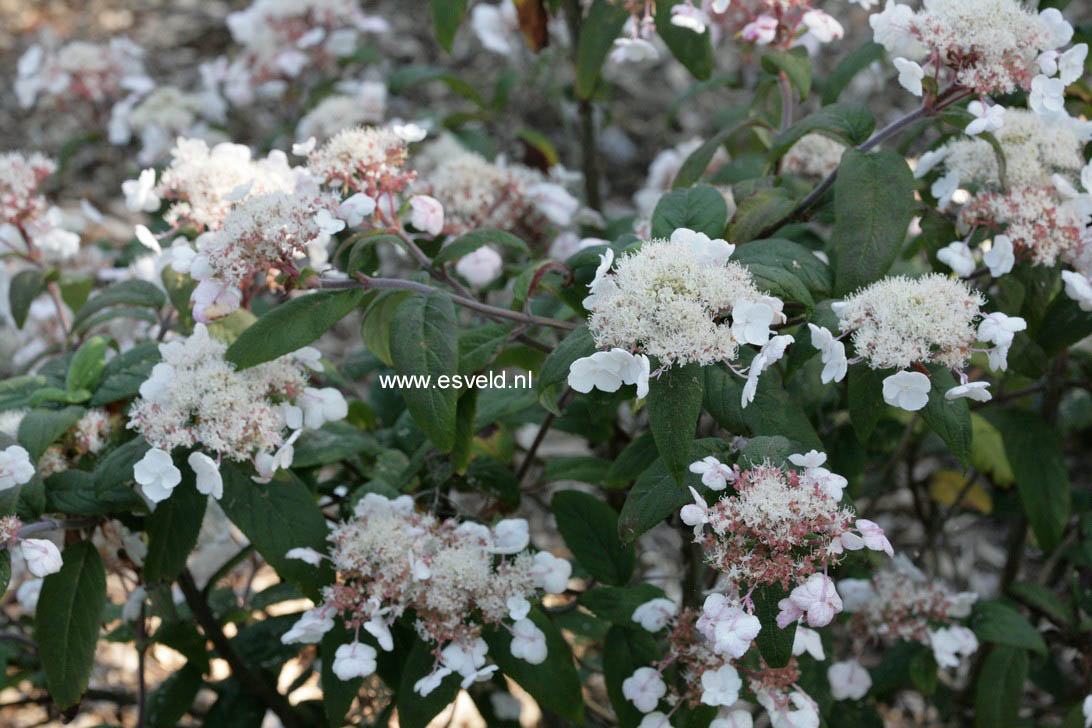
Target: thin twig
(142,684)
(541,435)
(251,681)
(945,100)
(15,637)
(589,156)
(396,284)
(786,100)
(54,524)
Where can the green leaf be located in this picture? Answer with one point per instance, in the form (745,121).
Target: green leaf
(693,50)
(117,466)
(407,76)
(950,419)
(26,285)
(765,448)
(125,293)
(1035,454)
(858,60)
(555,369)
(923,673)
(617,604)
(375,328)
(850,123)
(74,492)
(75,289)
(776,412)
(656,495)
(446,16)
(1041,598)
(865,390)
(276,517)
(67,622)
(87,365)
(471,241)
(333,442)
(291,326)
(625,650)
(415,711)
(465,411)
(634,459)
(5,571)
(774,643)
(173,527)
(694,166)
(554,683)
(999,692)
(795,63)
(699,208)
(873,204)
(999,623)
(674,403)
(363,254)
(40,428)
(173,697)
(756,212)
(123,375)
(479,345)
(590,529)
(583,468)
(423,343)
(597,33)
(16,393)
(767,258)
(1064,324)
(721,398)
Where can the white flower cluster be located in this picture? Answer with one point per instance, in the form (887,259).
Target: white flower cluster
(476,193)
(702,647)
(390,559)
(207,182)
(990,46)
(27,222)
(194,397)
(898,321)
(672,299)
(355,105)
(815,155)
(261,233)
(781,527)
(901,322)
(162,116)
(90,71)
(280,38)
(1037,204)
(902,603)
(366,159)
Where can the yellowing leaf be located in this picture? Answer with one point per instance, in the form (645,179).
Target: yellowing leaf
(988,451)
(945,486)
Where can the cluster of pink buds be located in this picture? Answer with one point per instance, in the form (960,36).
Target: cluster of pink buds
(280,40)
(780,527)
(90,72)
(456,578)
(703,650)
(901,603)
(28,225)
